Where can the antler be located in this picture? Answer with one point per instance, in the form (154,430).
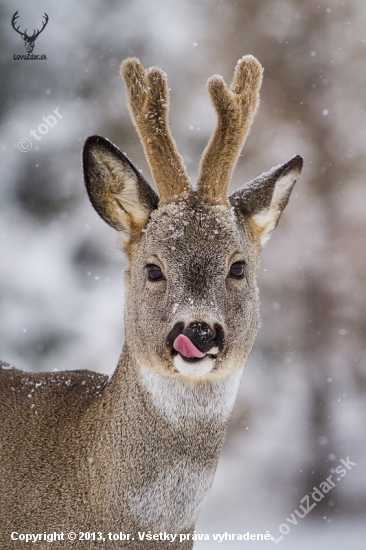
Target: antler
(43,26)
(13,20)
(148,99)
(24,34)
(235,108)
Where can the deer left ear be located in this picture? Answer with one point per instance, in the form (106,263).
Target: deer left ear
(262,200)
(116,188)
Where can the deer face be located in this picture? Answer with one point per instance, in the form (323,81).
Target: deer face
(192,305)
(192,301)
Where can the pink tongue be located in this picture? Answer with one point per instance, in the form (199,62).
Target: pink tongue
(185,347)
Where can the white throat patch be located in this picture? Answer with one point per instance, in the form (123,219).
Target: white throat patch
(177,399)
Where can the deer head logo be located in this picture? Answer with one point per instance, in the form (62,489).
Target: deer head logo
(28,40)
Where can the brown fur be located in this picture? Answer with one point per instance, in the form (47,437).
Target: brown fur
(138,452)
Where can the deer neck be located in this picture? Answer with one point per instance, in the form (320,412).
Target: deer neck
(177,402)
(166,435)
(170,404)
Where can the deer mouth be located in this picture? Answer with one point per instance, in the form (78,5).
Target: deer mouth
(189,352)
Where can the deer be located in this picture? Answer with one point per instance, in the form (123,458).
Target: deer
(29,41)
(135,454)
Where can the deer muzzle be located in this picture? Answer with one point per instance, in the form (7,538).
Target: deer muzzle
(196,340)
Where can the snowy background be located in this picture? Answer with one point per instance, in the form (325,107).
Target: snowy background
(302,402)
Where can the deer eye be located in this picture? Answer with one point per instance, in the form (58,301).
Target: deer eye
(237,270)
(154,273)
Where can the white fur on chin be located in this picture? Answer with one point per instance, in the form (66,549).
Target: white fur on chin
(194,370)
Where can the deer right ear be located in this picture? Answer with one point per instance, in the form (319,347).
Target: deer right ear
(262,200)
(116,188)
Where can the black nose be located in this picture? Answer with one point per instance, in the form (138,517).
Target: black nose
(201,335)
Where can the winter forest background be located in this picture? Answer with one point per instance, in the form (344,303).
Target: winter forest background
(302,401)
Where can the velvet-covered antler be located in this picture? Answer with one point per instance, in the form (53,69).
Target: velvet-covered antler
(235,108)
(149,105)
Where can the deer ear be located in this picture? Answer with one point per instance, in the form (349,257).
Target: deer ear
(116,188)
(262,200)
